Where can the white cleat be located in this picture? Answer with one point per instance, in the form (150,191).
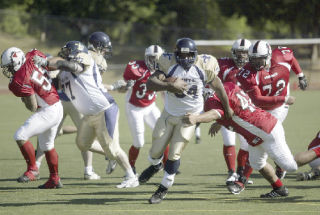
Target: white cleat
(111,166)
(232,177)
(92,176)
(129,182)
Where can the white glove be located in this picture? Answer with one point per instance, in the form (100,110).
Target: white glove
(118,84)
(39,61)
(130,84)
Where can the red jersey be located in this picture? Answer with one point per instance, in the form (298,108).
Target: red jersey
(315,142)
(266,89)
(248,120)
(228,70)
(284,56)
(139,72)
(30,79)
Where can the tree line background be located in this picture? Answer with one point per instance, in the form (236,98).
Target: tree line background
(133,25)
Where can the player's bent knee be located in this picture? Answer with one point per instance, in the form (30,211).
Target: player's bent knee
(289,166)
(46,147)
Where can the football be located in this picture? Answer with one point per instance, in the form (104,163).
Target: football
(170,79)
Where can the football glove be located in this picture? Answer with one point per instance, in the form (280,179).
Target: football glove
(303,84)
(39,61)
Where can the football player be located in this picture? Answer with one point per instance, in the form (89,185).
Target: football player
(183,84)
(82,83)
(140,102)
(267,84)
(70,110)
(229,67)
(263,132)
(30,81)
(100,49)
(314,173)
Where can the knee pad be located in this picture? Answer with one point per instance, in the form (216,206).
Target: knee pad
(257,165)
(46,147)
(289,167)
(172,166)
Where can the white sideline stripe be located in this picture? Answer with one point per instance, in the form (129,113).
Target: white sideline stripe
(271,42)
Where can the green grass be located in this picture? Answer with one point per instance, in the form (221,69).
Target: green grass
(199,189)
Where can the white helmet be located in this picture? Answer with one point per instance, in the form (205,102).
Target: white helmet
(260,55)
(11,61)
(152,53)
(239,51)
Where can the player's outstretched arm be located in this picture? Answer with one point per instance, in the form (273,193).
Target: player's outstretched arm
(205,117)
(30,102)
(64,65)
(217,85)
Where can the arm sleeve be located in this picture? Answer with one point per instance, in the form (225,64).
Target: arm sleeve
(70,66)
(21,90)
(213,103)
(296,67)
(210,66)
(264,101)
(131,73)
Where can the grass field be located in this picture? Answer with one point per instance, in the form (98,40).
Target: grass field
(199,189)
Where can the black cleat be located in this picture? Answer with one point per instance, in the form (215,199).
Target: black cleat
(149,172)
(236,187)
(159,195)
(277,192)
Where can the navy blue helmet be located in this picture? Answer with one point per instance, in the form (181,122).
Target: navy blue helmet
(100,42)
(71,49)
(185,52)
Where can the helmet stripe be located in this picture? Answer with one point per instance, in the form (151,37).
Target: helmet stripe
(242,42)
(255,47)
(155,49)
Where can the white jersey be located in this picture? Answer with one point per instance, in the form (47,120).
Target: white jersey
(86,90)
(205,69)
(191,100)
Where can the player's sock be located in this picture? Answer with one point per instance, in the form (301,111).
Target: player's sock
(277,184)
(229,153)
(133,155)
(165,156)
(247,170)
(52,161)
(168,179)
(242,158)
(317,151)
(28,153)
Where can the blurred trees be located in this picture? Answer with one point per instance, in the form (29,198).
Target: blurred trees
(164,20)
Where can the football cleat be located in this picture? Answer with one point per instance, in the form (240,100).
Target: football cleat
(277,192)
(232,177)
(306,176)
(159,195)
(281,173)
(29,175)
(129,182)
(236,187)
(92,176)
(111,166)
(149,172)
(51,184)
